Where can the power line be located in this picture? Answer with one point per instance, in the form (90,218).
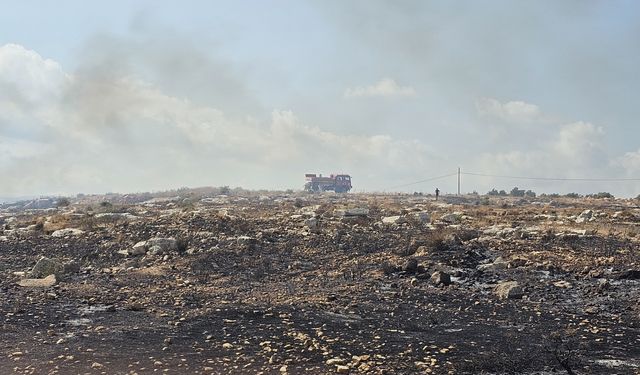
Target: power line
(458,173)
(551,178)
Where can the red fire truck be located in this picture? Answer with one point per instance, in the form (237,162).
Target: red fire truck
(340,183)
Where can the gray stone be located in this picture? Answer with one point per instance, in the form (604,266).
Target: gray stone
(357,211)
(422,216)
(45,267)
(155,250)
(311,222)
(154,246)
(452,218)
(166,244)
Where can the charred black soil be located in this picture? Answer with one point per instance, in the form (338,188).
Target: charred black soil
(323,283)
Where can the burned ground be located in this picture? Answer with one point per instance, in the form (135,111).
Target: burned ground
(324,283)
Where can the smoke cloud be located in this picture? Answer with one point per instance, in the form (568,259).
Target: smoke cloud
(107,128)
(542,89)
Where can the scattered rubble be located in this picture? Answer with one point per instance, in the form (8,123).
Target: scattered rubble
(195,282)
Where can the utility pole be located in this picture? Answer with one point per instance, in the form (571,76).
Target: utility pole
(458,180)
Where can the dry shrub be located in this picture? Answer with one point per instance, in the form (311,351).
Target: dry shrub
(87,223)
(182,244)
(440,240)
(565,348)
(55,223)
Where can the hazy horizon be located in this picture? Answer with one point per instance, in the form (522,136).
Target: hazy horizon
(156,95)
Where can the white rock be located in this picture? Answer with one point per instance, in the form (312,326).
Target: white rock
(309,210)
(391,219)
(38,283)
(586,215)
(562,284)
(139,249)
(498,264)
(67,232)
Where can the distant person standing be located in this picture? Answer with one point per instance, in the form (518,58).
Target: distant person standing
(437,193)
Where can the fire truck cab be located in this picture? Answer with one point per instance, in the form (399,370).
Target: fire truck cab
(340,183)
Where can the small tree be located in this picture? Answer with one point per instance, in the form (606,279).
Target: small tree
(515,192)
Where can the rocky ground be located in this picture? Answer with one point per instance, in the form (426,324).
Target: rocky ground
(289,283)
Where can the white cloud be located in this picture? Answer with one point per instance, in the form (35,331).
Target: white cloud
(574,150)
(12,149)
(512,111)
(103,132)
(630,161)
(580,141)
(71,132)
(26,74)
(385,87)
(291,138)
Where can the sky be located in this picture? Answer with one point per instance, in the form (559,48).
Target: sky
(131,96)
